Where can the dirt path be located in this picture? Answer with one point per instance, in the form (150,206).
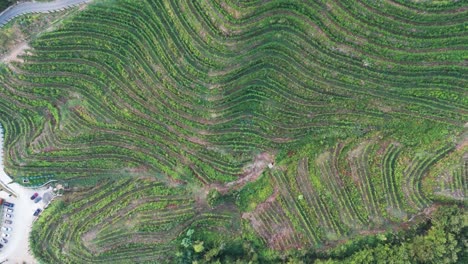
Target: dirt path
(251,173)
(17,248)
(14,54)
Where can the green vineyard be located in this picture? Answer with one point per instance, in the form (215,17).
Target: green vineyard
(119,221)
(220,130)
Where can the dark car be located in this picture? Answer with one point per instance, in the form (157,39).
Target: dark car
(4,240)
(7,204)
(38,199)
(8,222)
(1,245)
(37,212)
(34,196)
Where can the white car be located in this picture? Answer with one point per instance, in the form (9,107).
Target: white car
(5,235)
(9,210)
(9,216)
(7,229)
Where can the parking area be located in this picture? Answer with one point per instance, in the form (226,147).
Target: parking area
(17,216)
(16,250)
(15,233)
(15,247)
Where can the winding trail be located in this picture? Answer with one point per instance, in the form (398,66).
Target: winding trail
(37,7)
(17,248)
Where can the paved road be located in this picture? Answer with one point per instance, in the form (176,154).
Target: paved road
(17,248)
(36,7)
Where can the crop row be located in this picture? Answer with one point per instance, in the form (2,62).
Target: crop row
(352,187)
(163,97)
(120,220)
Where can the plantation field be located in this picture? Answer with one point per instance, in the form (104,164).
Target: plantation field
(124,221)
(238,130)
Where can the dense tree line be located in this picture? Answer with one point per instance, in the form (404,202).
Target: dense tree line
(442,238)
(5,3)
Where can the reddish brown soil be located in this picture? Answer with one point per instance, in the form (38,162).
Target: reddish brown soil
(251,173)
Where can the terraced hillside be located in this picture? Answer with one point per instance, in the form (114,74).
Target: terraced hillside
(124,220)
(173,111)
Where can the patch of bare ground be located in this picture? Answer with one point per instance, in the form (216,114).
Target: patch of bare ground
(174,183)
(262,207)
(14,40)
(82,6)
(278,234)
(87,239)
(139,169)
(282,140)
(273,196)
(198,141)
(224,30)
(251,173)
(202,34)
(222,72)
(213,87)
(200,195)
(233,12)
(382,106)
(353,155)
(15,53)
(283,233)
(382,148)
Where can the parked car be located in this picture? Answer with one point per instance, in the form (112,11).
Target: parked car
(34,196)
(4,240)
(38,199)
(37,212)
(7,204)
(9,216)
(7,229)
(1,245)
(8,222)
(9,210)
(5,235)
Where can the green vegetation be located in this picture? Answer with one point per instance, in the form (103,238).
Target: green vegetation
(125,221)
(27,27)
(204,131)
(254,193)
(442,240)
(4,4)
